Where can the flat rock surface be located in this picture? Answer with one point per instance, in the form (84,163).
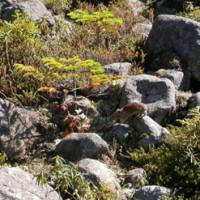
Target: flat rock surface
(16,184)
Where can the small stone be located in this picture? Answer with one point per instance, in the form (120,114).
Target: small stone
(152,192)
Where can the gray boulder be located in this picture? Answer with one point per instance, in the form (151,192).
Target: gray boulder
(194,101)
(152,192)
(157,93)
(153,132)
(175,76)
(80,103)
(34,9)
(120,132)
(77,146)
(99,174)
(118,68)
(137,177)
(180,35)
(16,184)
(21,130)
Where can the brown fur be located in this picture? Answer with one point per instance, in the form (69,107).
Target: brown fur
(44,27)
(132,109)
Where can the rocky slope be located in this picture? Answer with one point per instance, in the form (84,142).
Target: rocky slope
(78,126)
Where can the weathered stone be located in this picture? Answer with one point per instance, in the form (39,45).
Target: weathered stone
(152,192)
(120,132)
(80,103)
(82,145)
(118,68)
(99,174)
(137,177)
(16,184)
(194,101)
(157,93)
(34,9)
(180,35)
(20,130)
(153,132)
(175,76)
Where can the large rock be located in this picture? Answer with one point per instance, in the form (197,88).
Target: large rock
(82,145)
(153,132)
(16,184)
(34,9)
(157,93)
(21,130)
(99,174)
(152,192)
(118,68)
(178,34)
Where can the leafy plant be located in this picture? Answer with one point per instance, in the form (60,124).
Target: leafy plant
(120,44)
(30,80)
(57,6)
(19,42)
(176,163)
(103,21)
(70,182)
(3,159)
(193,14)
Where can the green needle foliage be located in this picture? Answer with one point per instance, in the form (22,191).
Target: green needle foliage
(29,80)
(103,21)
(19,41)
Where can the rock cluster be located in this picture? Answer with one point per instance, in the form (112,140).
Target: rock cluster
(163,91)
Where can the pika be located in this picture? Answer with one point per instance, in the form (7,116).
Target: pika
(44,27)
(132,109)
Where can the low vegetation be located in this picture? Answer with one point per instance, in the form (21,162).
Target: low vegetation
(37,66)
(30,81)
(176,163)
(71,183)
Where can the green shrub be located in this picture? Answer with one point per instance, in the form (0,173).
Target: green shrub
(103,22)
(193,14)
(19,41)
(70,182)
(3,159)
(57,6)
(104,41)
(176,163)
(27,81)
